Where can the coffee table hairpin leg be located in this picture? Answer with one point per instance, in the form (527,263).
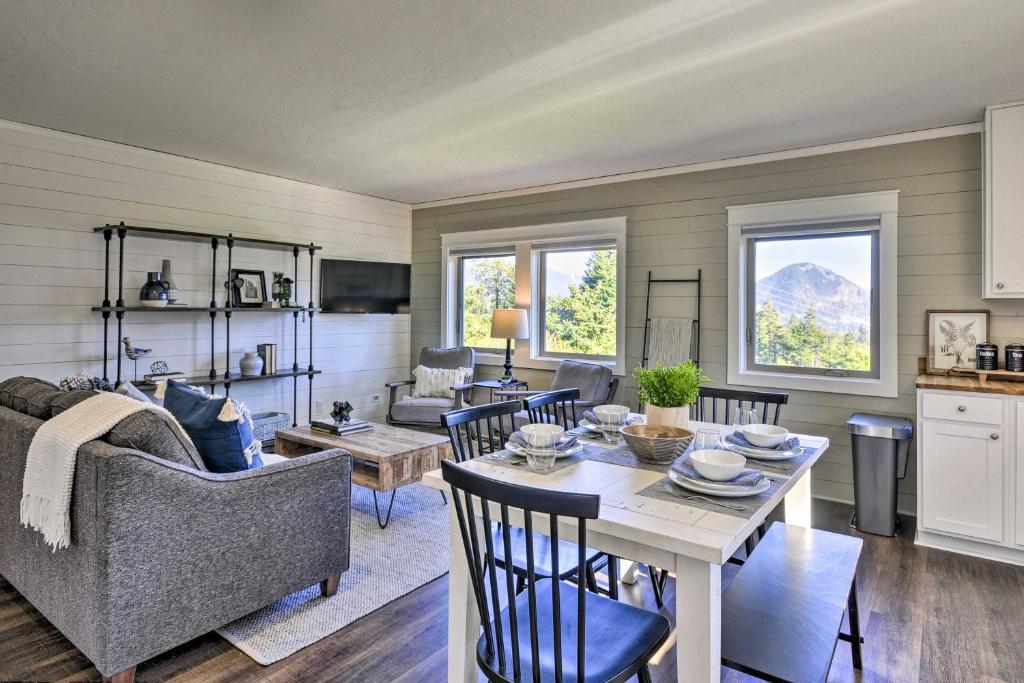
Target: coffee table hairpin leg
(387,515)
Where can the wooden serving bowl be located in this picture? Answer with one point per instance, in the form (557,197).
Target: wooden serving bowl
(657,445)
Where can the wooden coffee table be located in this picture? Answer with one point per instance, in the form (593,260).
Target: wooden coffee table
(383,459)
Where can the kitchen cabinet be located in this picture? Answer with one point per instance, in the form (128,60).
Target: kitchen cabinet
(1004,202)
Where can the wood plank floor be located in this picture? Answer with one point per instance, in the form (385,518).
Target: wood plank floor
(927,616)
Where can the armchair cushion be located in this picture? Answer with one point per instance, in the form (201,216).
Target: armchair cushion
(426,410)
(593,380)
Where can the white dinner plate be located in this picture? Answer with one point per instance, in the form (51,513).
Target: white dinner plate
(720,490)
(521,451)
(762,454)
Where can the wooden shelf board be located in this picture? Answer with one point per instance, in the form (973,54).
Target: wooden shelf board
(204,309)
(205,381)
(189,236)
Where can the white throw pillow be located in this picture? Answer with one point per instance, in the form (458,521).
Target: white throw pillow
(438,381)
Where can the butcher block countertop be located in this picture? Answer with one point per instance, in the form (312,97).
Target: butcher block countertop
(991,386)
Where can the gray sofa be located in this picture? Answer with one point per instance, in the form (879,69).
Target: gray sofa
(162,551)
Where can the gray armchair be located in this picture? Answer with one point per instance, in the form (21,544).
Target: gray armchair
(426,411)
(596,384)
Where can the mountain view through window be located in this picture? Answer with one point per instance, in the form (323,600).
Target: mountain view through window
(813,301)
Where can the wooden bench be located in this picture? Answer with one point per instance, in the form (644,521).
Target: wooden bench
(783,611)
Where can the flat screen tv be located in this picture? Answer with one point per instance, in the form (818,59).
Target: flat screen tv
(364,287)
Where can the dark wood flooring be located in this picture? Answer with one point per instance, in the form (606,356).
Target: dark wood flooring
(927,616)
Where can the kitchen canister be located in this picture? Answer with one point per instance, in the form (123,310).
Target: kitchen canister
(1015,357)
(987,354)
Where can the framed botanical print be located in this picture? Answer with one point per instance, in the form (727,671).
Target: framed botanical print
(248,288)
(952,336)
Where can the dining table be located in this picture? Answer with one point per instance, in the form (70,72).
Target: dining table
(647,519)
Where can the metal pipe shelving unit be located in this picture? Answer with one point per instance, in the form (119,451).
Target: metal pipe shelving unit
(213,378)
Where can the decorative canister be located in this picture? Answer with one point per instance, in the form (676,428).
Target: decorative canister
(154,293)
(987,354)
(1015,357)
(250,364)
(165,275)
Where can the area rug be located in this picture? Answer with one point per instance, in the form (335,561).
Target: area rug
(385,565)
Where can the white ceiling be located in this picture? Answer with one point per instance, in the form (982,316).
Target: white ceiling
(419,100)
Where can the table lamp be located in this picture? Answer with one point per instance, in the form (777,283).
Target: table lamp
(509,324)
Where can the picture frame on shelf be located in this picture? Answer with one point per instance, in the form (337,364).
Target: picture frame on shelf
(248,288)
(951,337)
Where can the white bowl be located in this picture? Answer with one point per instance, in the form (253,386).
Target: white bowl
(611,414)
(718,465)
(542,435)
(765,436)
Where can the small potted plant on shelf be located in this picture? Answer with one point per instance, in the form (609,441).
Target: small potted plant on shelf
(281,290)
(669,391)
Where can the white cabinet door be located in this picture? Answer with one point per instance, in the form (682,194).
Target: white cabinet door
(1019,461)
(1004,201)
(962,479)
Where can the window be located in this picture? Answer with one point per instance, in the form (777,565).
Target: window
(578,302)
(485,283)
(812,294)
(812,303)
(566,275)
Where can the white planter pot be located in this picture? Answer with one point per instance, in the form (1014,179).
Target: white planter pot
(668,417)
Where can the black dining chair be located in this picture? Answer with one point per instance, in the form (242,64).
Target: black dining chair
(482,430)
(553,631)
(553,407)
(559,407)
(710,399)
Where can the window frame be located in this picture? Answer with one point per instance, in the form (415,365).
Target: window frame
(529,243)
(874,212)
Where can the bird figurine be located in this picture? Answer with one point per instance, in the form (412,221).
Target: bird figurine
(134,353)
(342,412)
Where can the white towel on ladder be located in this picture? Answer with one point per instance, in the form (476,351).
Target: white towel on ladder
(50,466)
(670,340)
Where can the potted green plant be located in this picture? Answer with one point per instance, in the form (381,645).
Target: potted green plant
(669,391)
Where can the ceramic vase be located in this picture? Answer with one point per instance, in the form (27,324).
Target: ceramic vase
(668,417)
(154,293)
(165,275)
(250,364)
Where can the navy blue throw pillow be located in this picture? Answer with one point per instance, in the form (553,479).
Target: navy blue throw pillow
(222,444)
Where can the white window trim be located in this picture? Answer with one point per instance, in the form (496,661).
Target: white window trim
(524,238)
(882,206)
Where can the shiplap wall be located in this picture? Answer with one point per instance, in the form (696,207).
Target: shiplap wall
(678,224)
(55,188)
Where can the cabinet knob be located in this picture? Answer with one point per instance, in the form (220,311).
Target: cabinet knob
(961,409)
(1000,285)
(994,436)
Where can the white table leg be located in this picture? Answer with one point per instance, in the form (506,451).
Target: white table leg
(798,502)
(627,571)
(698,620)
(463,614)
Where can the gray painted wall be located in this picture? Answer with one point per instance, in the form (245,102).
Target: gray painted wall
(678,224)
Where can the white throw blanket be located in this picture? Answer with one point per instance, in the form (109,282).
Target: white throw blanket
(50,467)
(670,342)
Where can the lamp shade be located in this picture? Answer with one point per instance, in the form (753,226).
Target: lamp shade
(510,323)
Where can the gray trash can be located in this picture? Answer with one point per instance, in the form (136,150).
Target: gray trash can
(881,445)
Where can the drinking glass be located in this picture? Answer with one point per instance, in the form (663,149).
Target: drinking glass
(705,439)
(610,427)
(540,461)
(744,416)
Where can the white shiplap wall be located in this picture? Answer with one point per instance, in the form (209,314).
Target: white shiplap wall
(55,188)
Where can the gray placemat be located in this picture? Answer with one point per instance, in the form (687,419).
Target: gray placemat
(508,459)
(619,455)
(665,490)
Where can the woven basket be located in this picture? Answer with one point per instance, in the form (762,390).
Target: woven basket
(265,425)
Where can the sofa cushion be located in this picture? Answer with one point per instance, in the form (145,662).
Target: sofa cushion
(226,444)
(426,409)
(69,399)
(29,395)
(147,431)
